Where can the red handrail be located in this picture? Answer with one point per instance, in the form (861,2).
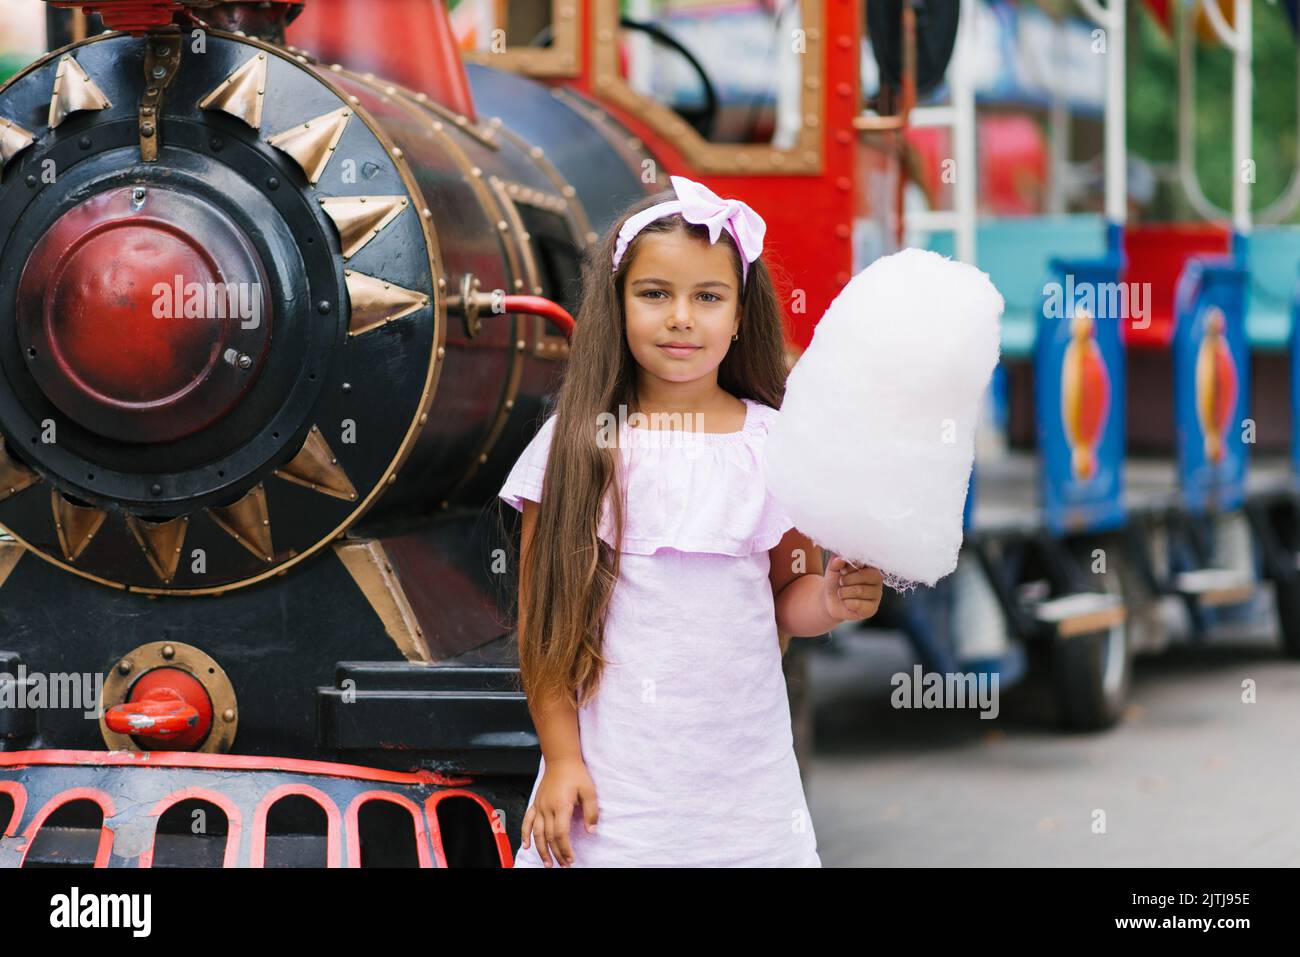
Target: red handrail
(541,306)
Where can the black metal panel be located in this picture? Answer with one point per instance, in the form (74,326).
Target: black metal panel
(604,181)
(277,643)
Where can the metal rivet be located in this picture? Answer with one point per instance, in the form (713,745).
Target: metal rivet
(168,652)
(323,307)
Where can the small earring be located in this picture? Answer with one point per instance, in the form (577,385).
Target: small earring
(735,337)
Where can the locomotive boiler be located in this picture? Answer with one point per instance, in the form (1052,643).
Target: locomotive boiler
(272,332)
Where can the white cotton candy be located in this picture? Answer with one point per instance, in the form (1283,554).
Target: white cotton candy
(872,452)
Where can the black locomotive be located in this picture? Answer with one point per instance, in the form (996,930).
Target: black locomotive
(271,334)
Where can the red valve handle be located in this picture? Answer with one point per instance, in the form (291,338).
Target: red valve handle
(159,714)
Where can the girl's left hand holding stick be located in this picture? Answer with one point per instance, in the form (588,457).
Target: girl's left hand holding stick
(851,592)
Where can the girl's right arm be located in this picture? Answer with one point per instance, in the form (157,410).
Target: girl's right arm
(566,781)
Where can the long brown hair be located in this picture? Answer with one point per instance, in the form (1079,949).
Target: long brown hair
(567,575)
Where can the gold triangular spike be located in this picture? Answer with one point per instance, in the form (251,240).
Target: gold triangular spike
(74,90)
(248,522)
(359,219)
(241,93)
(13,140)
(317,468)
(161,542)
(76,524)
(13,476)
(375,302)
(312,144)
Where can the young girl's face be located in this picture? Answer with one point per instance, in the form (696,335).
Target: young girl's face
(680,290)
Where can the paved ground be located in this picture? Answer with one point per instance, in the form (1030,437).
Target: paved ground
(1191,777)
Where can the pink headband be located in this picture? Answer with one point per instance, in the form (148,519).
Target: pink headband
(699,204)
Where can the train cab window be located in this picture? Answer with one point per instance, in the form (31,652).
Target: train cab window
(735,86)
(533,37)
(730,70)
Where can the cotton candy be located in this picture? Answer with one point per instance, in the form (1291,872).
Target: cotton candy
(872,451)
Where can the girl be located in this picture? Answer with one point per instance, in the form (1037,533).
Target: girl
(648,617)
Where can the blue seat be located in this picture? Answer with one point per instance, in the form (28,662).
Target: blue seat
(1273,257)
(1015,252)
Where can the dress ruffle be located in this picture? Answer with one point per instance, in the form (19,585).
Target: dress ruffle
(688,491)
(698,491)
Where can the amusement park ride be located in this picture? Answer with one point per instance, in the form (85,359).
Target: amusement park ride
(266,527)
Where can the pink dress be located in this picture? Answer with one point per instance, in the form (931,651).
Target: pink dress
(688,738)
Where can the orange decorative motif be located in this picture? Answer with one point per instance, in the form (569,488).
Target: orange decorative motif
(1216,385)
(1085,394)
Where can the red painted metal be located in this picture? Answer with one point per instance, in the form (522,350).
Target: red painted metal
(18,794)
(498,829)
(161,714)
(129,314)
(234,823)
(169,710)
(133,16)
(541,306)
(106,807)
(407,41)
(232,762)
(333,823)
(246,842)
(421,829)
(141,16)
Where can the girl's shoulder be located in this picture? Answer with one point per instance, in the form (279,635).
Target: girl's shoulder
(525,480)
(760,416)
